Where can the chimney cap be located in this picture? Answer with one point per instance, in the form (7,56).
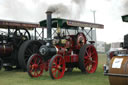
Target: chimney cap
(49,12)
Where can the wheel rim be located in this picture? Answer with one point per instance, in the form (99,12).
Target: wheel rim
(90,59)
(35,66)
(81,40)
(57,67)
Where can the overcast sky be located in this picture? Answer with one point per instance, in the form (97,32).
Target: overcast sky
(108,12)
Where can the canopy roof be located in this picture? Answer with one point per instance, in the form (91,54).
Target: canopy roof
(17,24)
(70,24)
(125,18)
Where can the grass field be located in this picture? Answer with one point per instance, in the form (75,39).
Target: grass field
(74,78)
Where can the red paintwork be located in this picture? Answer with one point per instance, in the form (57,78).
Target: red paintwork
(71,58)
(74,58)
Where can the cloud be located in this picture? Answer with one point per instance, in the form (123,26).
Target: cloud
(18,10)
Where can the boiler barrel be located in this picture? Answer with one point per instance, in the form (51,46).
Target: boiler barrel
(118,70)
(5,50)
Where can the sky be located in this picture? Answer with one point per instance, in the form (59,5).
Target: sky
(107,12)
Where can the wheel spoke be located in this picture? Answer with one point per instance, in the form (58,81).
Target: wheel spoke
(59,72)
(89,67)
(86,63)
(93,53)
(25,33)
(35,60)
(35,73)
(55,61)
(39,61)
(88,53)
(55,73)
(89,50)
(30,51)
(54,70)
(60,62)
(61,67)
(54,67)
(31,63)
(27,55)
(93,57)
(93,61)
(86,57)
(35,48)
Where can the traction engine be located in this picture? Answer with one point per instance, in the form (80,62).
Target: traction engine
(16,43)
(64,51)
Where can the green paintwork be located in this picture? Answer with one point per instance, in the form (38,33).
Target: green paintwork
(125,18)
(63,24)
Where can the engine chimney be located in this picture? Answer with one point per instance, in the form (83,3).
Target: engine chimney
(49,23)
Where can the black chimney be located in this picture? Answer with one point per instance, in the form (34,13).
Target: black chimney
(49,24)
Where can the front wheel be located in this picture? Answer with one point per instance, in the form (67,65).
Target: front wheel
(35,66)
(57,67)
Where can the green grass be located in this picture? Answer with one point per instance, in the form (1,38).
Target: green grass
(74,78)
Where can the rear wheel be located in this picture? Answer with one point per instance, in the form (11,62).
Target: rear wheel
(35,66)
(88,59)
(26,50)
(57,67)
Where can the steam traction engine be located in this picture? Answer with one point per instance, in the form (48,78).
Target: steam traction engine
(16,45)
(64,51)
